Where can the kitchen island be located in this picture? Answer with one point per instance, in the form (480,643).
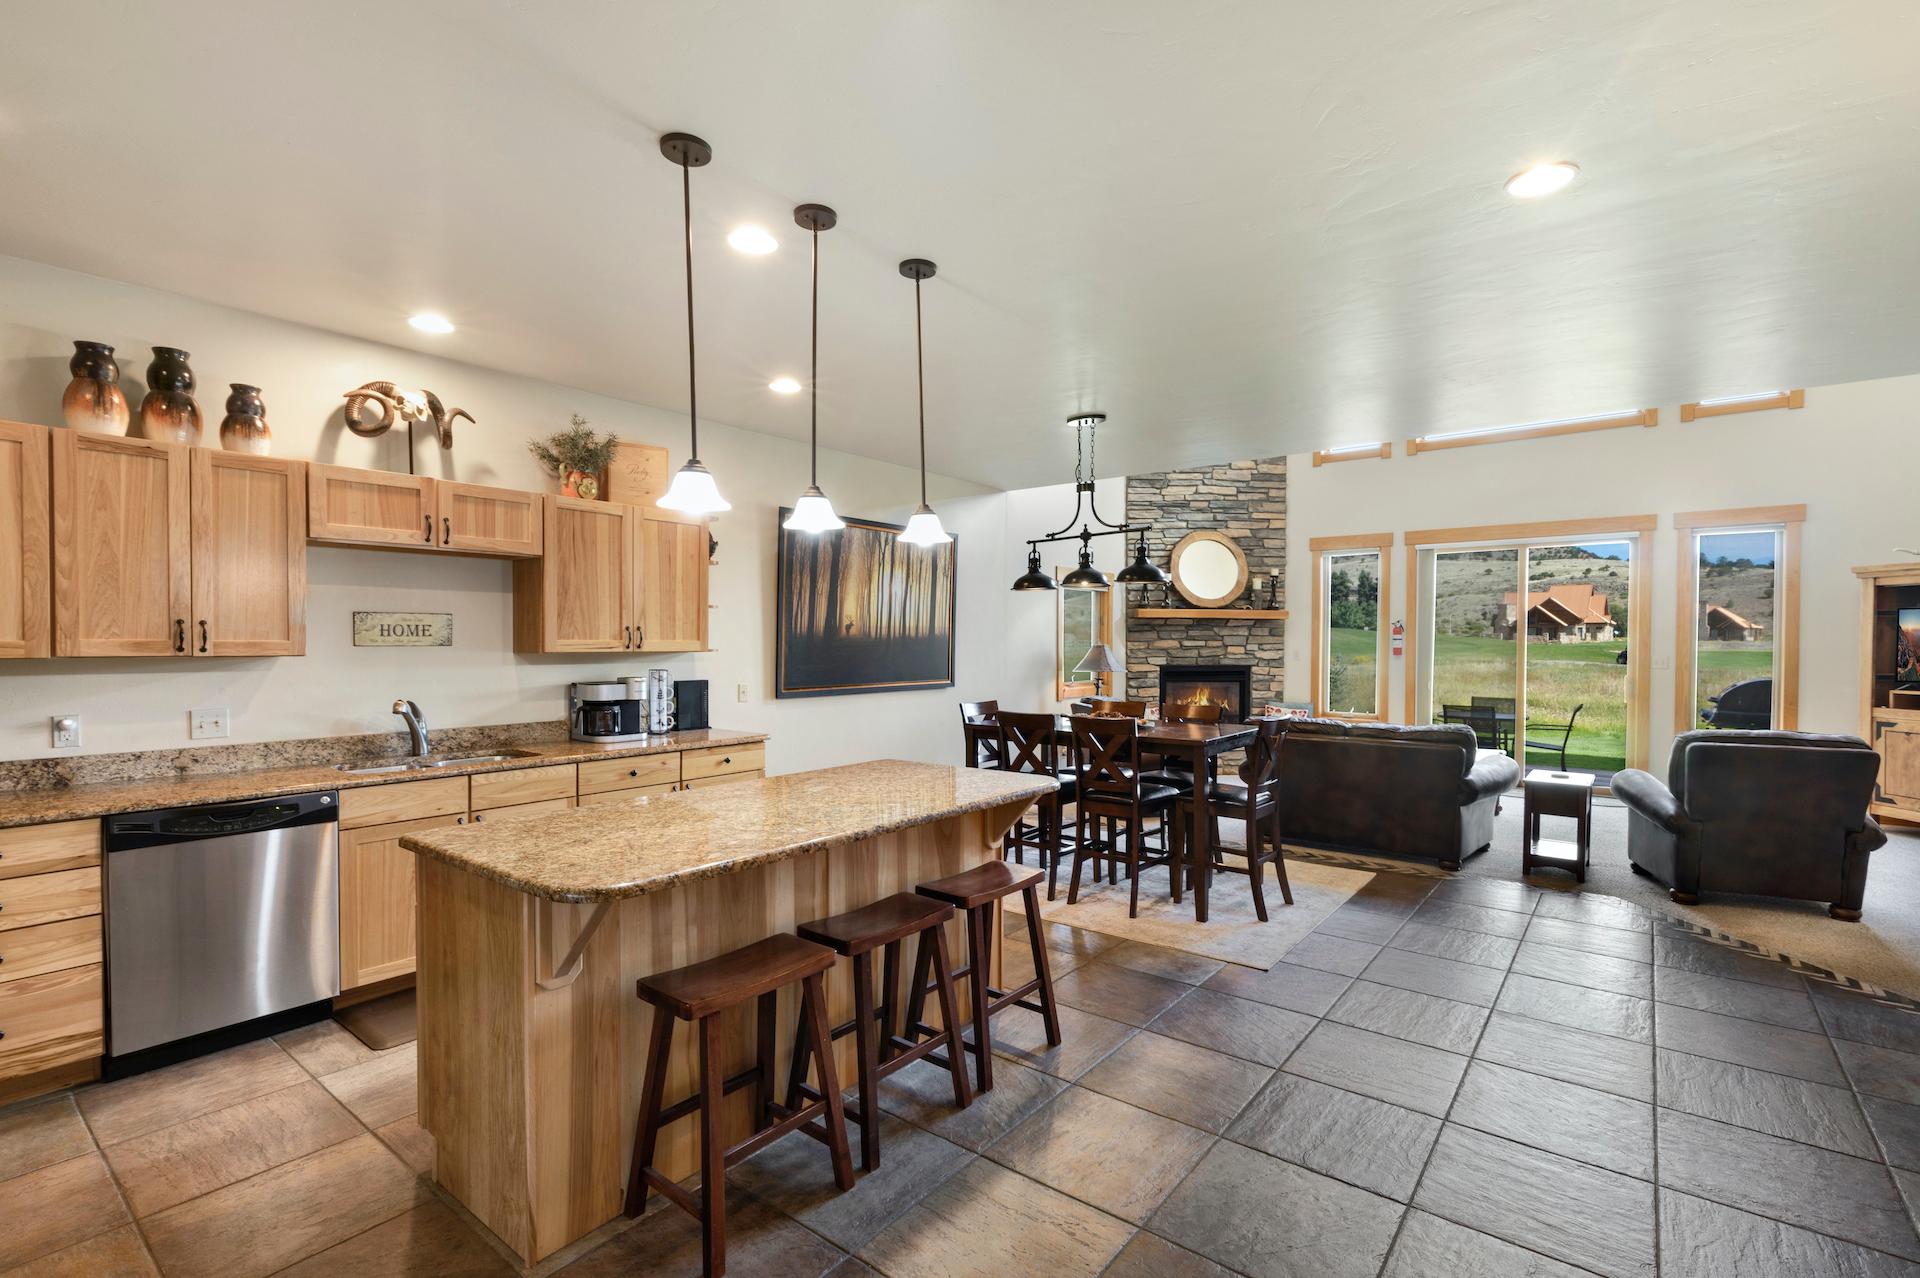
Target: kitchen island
(532,934)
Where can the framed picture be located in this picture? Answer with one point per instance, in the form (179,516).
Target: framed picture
(858,610)
(1906,656)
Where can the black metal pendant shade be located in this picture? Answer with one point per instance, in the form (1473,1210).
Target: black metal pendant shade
(1033,578)
(1142,571)
(1086,576)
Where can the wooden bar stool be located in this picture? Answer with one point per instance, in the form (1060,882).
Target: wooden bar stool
(856,935)
(699,993)
(976,891)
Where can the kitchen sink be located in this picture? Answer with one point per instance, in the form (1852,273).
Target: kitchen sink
(426,761)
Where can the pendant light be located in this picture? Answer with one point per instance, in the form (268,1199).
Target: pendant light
(693,491)
(1033,578)
(1086,576)
(1141,572)
(813,513)
(924,528)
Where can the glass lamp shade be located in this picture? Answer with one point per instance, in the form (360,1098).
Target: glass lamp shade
(1142,571)
(693,492)
(924,529)
(1033,578)
(1086,576)
(813,513)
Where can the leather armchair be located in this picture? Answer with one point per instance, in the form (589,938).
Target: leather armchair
(1757,813)
(1427,792)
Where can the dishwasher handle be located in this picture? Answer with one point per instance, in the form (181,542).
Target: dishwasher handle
(132,830)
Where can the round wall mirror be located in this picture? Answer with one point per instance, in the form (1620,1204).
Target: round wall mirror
(1209,569)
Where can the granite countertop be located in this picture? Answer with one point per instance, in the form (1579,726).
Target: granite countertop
(72,803)
(651,843)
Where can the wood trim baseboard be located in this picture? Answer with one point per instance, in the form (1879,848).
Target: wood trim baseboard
(1546,430)
(1796,398)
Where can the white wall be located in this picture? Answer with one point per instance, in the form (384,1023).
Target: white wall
(335,688)
(1847,455)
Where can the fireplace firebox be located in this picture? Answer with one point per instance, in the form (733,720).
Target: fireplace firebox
(1228,686)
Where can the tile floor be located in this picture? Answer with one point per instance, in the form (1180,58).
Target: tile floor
(1451,1077)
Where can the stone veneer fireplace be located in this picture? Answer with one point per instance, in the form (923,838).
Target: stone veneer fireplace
(1230,687)
(1247,500)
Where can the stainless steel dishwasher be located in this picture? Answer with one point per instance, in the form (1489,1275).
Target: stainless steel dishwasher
(219,915)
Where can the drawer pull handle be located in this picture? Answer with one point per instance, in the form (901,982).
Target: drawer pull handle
(446,531)
(476,818)
(633,772)
(728,759)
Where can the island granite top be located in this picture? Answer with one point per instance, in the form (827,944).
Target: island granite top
(653,842)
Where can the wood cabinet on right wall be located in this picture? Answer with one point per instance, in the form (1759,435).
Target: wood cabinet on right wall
(614,578)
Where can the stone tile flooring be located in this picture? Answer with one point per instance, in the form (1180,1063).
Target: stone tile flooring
(1450,1077)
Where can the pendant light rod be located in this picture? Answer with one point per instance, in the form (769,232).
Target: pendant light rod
(814,218)
(692,490)
(693,385)
(923,528)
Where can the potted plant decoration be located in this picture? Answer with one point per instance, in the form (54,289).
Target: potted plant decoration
(576,457)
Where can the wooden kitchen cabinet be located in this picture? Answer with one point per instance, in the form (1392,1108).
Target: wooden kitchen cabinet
(377,900)
(249,569)
(492,521)
(370,507)
(579,595)
(26,534)
(671,554)
(121,546)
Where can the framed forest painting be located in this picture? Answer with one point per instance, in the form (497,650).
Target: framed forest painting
(861,611)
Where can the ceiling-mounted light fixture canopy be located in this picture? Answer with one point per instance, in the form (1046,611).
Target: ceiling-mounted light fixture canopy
(1544,178)
(1141,572)
(924,528)
(813,513)
(693,491)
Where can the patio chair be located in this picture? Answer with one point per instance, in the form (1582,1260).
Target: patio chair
(1482,719)
(1547,729)
(1499,706)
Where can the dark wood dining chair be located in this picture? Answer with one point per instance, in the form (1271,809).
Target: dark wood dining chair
(1255,800)
(1115,705)
(1029,743)
(1171,769)
(1112,792)
(983,746)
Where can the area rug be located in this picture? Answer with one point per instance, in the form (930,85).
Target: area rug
(1232,932)
(382,1022)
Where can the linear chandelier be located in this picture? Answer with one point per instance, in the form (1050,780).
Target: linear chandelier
(1141,572)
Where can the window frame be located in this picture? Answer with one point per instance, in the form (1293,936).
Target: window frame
(1689,526)
(1102,630)
(1321,667)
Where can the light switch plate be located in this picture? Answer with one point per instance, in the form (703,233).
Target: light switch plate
(209,721)
(66,732)
(740,693)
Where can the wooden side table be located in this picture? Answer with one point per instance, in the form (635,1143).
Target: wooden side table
(1557,794)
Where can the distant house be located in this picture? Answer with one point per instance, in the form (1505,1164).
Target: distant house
(1722,622)
(1572,612)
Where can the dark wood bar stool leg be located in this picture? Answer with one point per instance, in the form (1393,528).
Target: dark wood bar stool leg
(813,1005)
(1049,1011)
(980,931)
(713,1151)
(652,1091)
(866,1040)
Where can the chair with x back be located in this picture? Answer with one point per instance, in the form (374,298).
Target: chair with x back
(1255,801)
(983,743)
(1029,743)
(1111,791)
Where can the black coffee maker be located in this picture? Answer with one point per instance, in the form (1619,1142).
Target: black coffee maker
(614,711)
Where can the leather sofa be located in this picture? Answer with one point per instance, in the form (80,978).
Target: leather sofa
(1427,792)
(1758,813)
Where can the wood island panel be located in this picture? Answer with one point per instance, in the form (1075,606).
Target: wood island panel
(531,1094)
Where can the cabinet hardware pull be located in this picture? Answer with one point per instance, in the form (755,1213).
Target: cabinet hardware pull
(446,530)
(203,634)
(633,772)
(179,634)
(477,816)
(641,630)
(728,759)
(459,820)
(429,530)
(629,636)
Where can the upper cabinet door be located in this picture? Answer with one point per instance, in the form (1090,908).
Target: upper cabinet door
(370,507)
(25,534)
(120,547)
(586,577)
(492,521)
(249,556)
(672,581)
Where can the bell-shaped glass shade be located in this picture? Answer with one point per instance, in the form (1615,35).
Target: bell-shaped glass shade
(924,528)
(813,513)
(693,492)
(1033,578)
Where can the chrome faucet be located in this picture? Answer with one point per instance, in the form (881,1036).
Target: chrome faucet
(416,724)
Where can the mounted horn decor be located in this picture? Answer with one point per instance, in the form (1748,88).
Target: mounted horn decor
(395,404)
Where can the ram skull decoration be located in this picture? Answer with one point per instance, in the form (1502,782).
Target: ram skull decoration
(396,405)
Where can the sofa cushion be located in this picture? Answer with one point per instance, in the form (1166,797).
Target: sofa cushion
(1677,761)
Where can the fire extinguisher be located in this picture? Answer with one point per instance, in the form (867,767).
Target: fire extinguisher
(1399,637)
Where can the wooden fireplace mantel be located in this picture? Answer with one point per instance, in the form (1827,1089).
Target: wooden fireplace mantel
(1211,614)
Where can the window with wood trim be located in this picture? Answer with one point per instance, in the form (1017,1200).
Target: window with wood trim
(1743,404)
(1736,650)
(1082,618)
(1350,625)
(1351,452)
(1531,430)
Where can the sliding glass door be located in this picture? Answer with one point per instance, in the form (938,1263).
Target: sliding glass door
(1475,662)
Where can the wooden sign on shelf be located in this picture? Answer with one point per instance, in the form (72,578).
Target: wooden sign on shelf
(637,475)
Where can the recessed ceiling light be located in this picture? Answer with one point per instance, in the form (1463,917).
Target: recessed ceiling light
(784,386)
(756,241)
(1542,179)
(431,322)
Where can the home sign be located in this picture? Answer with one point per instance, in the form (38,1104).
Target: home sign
(402,629)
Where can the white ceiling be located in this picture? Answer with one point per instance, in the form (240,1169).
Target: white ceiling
(1240,228)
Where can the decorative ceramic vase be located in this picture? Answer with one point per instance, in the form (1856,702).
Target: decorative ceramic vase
(94,401)
(244,429)
(168,414)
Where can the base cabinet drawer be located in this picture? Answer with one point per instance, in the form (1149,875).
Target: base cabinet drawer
(402,801)
(46,898)
(41,849)
(725,778)
(49,947)
(720,760)
(626,796)
(630,773)
(51,1019)
(515,810)
(522,785)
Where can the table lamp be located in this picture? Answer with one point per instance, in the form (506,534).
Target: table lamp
(1101,660)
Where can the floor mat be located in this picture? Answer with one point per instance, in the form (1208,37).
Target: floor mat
(382,1022)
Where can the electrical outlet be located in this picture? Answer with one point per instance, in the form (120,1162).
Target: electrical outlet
(66,732)
(210,721)
(740,693)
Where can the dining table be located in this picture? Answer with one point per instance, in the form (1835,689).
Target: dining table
(1197,743)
